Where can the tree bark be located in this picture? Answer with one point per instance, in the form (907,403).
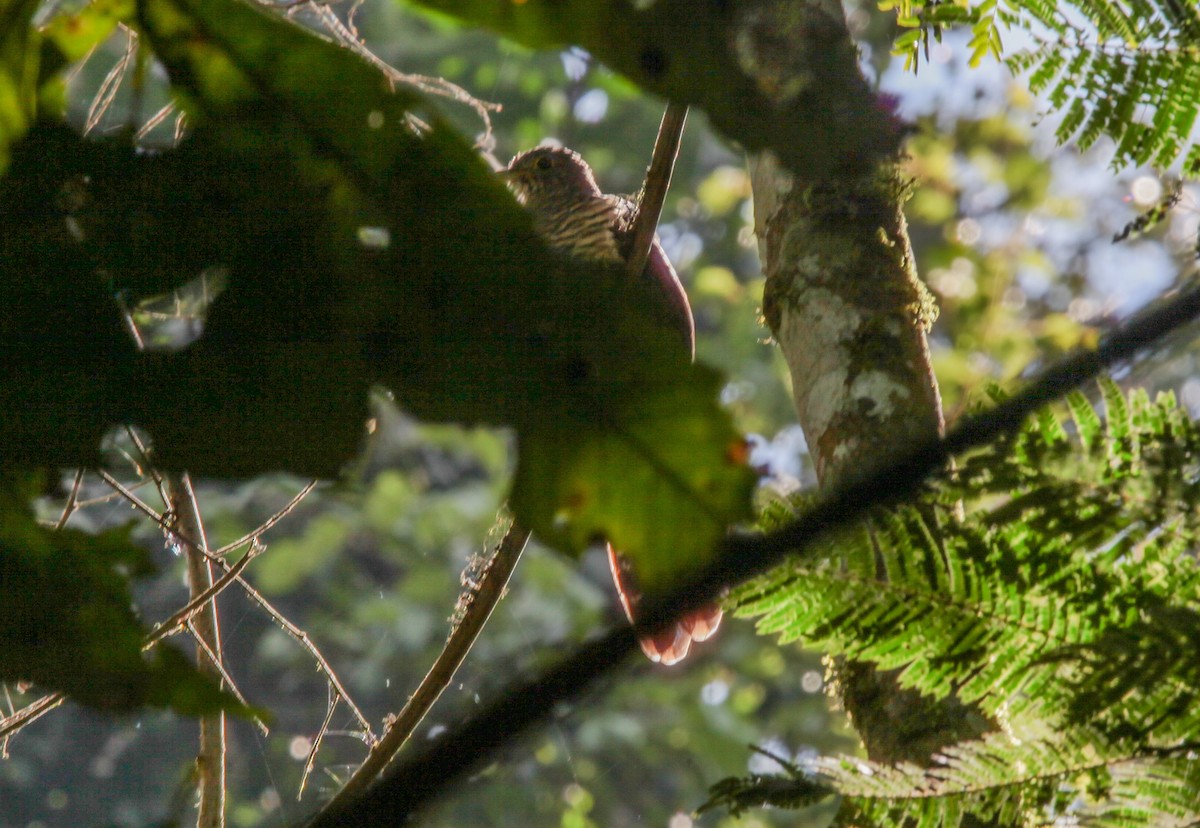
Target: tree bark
(210,759)
(850,315)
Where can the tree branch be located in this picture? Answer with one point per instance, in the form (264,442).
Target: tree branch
(253,535)
(654,191)
(525,702)
(849,313)
(475,607)
(184,614)
(306,642)
(140,445)
(72,501)
(291,629)
(310,761)
(28,714)
(210,761)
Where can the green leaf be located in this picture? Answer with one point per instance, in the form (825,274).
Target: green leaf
(1120,435)
(67,623)
(654,473)
(1064,601)
(19,58)
(1046,72)
(462,312)
(1116,84)
(1050,427)
(990,607)
(67,353)
(76,33)
(1087,421)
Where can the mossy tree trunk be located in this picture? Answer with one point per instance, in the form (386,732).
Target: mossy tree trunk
(850,315)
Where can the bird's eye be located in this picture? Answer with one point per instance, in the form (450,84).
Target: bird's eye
(544,163)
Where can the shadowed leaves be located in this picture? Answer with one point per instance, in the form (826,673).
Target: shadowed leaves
(361,242)
(66,621)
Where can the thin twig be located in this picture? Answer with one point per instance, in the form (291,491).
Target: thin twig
(350,15)
(108,498)
(226,679)
(9,725)
(133,461)
(654,191)
(155,119)
(127,315)
(107,92)
(477,604)
(75,70)
(12,709)
(267,524)
(164,524)
(303,638)
(428,84)
(215,662)
(291,629)
(210,761)
(140,504)
(155,474)
(429,772)
(311,761)
(72,502)
(175,622)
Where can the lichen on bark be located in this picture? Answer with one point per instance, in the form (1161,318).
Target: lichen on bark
(845,304)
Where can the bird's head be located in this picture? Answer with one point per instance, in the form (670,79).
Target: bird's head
(550,174)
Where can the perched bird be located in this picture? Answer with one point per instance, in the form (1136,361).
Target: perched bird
(574,217)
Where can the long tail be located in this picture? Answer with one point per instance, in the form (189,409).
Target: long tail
(671,645)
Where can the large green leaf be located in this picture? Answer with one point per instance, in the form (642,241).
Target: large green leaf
(772,75)
(358,248)
(67,623)
(463,313)
(641,468)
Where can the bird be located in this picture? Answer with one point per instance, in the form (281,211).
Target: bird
(574,217)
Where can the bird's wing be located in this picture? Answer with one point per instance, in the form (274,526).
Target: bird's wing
(659,272)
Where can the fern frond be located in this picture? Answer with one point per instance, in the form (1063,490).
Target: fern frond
(960,611)
(1080,777)
(1126,69)
(1122,80)
(1068,599)
(1087,422)
(1150,794)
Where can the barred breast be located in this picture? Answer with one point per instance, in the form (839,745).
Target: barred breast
(582,229)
